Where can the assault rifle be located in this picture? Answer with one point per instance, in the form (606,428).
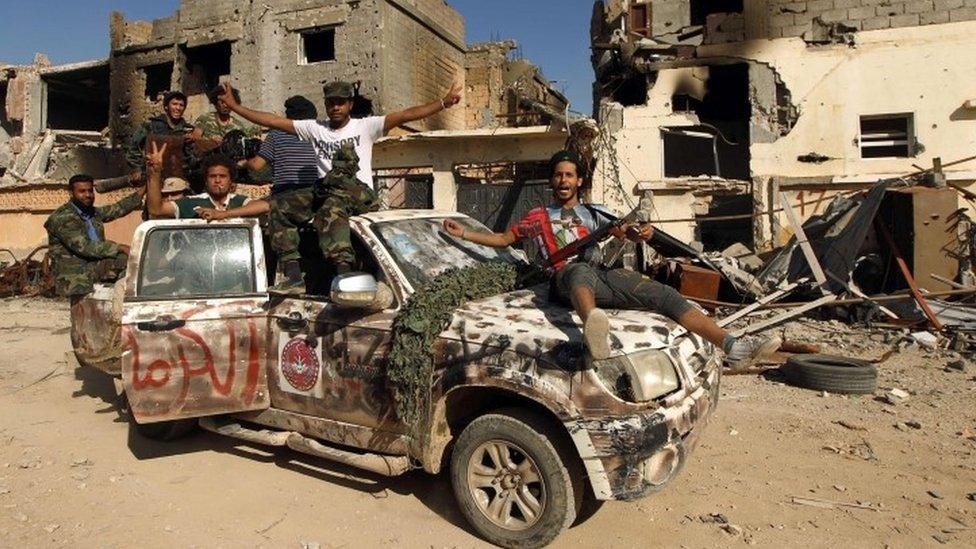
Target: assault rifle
(578,246)
(662,242)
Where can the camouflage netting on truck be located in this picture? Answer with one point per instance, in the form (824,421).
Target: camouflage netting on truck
(428,313)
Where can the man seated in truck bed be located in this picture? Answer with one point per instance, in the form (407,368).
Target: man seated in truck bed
(218,172)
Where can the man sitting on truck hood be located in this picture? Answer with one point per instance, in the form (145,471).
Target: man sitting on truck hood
(217,169)
(587,285)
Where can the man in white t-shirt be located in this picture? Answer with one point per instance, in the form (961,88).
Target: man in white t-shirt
(327,136)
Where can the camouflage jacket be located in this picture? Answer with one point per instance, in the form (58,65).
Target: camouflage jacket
(213,131)
(73,255)
(157,125)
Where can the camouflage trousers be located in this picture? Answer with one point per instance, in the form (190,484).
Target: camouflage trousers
(329,208)
(104,270)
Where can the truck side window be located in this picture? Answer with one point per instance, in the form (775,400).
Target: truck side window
(197,262)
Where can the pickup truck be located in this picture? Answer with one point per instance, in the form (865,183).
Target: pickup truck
(532,431)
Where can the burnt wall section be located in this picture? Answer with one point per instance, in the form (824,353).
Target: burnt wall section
(78,99)
(129,104)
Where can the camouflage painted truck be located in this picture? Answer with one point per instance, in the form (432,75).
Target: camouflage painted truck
(533,434)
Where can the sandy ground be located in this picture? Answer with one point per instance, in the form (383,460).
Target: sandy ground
(72,472)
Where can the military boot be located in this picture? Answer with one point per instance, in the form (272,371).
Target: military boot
(293,284)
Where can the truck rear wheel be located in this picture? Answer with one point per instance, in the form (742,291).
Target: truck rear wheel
(511,482)
(162,431)
(166,430)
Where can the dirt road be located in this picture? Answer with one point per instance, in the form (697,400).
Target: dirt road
(72,472)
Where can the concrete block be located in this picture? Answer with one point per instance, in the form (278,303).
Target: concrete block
(934,18)
(962,14)
(834,16)
(795,30)
(876,23)
(948,4)
(919,6)
(906,20)
(781,20)
(820,5)
(846,4)
(895,9)
(795,7)
(865,12)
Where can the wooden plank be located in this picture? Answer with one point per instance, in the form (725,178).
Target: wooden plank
(857,291)
(801,239)
(775,296)
(788,315)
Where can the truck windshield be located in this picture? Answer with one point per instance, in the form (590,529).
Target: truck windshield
(423,250)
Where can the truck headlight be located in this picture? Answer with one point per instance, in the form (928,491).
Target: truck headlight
(638,377)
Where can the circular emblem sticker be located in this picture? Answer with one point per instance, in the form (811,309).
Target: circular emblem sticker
(299,364)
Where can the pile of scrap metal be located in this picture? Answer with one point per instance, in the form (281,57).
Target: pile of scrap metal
(897,254)
(26,277)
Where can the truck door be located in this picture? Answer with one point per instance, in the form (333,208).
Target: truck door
(194,320)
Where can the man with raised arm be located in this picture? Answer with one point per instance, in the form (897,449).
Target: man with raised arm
(588,286)
(339,129)
(218,172)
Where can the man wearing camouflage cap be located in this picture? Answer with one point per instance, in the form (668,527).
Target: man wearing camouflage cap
(328,205)
(327,136)
(80,255)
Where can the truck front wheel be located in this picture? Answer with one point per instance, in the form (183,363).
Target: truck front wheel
(511,481)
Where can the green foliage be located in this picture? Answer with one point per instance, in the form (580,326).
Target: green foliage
(427,313)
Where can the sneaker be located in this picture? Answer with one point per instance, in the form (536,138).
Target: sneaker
(747,350)
(596,334)
(293,284)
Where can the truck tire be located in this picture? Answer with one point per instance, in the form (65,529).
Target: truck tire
(511,480)
(166,431)
(834,374)
(163,431)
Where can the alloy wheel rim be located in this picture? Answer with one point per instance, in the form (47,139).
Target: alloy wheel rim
(506,485)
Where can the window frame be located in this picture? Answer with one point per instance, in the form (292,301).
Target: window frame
(303,55)
(910,141)
(143,255)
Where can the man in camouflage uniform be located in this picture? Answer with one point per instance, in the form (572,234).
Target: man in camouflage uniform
(328,205)
(211,127)
(169,124)
(80,255)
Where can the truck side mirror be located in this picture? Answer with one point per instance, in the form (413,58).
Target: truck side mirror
(355,290)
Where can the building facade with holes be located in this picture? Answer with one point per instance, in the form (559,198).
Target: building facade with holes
(398,53)
(714,107)
(60,120)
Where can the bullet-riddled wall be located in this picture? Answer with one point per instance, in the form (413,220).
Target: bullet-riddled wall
(833,105)
(399,52)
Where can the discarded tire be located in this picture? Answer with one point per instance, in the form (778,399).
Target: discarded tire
(834,374)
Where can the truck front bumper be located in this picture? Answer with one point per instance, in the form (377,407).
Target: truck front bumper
(631,457)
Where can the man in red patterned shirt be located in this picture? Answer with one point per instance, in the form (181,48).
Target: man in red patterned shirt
(588,286)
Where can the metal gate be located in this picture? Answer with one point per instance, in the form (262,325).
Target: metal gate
(499,204)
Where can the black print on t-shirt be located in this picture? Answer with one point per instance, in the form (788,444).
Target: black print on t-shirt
(327,149)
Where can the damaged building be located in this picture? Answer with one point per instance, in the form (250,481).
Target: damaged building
(714,108)
(57,120)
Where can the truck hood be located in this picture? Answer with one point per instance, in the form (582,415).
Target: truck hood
(529,323)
